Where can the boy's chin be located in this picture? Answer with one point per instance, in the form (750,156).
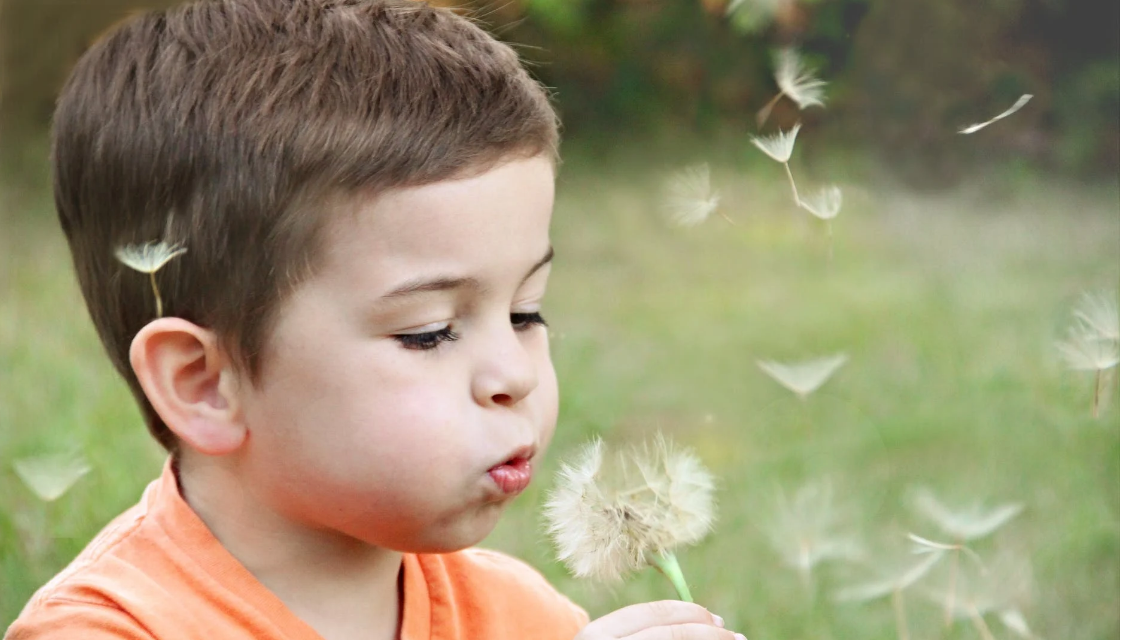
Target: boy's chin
(460,535)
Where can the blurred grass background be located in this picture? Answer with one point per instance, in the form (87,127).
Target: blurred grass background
(957,261)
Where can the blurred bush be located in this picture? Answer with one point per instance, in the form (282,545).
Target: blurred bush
(905,74)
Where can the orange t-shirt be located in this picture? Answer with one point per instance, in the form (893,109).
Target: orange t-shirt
(157,572)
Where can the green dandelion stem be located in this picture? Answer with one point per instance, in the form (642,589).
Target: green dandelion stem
(667,565)
(156,292)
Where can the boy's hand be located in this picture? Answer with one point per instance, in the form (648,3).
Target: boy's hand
(663,620)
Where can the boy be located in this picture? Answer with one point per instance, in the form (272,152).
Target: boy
(348,364)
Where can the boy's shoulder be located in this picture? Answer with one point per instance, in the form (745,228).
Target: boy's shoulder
(85,596)
(484,593)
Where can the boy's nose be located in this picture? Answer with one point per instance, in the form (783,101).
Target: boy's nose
(506,372)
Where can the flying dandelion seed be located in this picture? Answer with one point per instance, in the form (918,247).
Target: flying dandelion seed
(804,530)
(1098,314)
(779,147)
(970,523)
(50,476)
(1085,350)
(1022,101)
(825,204)
(997,589)
(689,197)
(962,525)
(607,522)
(796,82)
(893,583)
(803,378)
(149,258)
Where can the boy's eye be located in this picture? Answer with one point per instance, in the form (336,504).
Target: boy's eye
(427,340)
(524,321)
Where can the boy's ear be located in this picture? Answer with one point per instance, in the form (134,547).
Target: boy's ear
(191,384)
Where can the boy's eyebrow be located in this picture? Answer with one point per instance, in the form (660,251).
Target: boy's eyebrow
(449,283)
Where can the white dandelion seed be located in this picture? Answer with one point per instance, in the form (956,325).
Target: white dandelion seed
(607,522)
(1022,101)
(825,204)
(969,523)
(149,258)
(804,530)
(778,146)
(796,82)
(1097,313)
(998,588)
(689,197)
(52,475)
(1085,351)
(892,583)
(803,378)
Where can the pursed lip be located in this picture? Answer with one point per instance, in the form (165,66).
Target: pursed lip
(513,474)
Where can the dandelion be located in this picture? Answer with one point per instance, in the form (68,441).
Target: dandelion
(804,533)
(149,258)
(689,197)
(804,378)
(892,583)
(1022,101)
(609,521)
(796,82)
(779,147)
(50,476)
(962,525)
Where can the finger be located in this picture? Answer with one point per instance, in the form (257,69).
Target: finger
(638,617)
(692,631)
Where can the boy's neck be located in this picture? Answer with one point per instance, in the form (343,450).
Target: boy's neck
(341,587)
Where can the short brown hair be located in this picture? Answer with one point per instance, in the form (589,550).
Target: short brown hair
(226,125)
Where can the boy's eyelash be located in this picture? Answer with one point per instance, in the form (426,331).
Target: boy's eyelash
(432,339)
(428,340)
(524,321)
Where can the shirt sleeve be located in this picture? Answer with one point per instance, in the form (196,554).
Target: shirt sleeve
(63,619)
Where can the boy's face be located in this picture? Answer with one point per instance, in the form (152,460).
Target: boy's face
(407,389)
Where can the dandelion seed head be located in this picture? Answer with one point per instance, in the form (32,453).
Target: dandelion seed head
(824,204)
(804,377)
(689,197)
(796,81)
(605,521)
(778,146)
(148,257)
(964,524)
(52,475)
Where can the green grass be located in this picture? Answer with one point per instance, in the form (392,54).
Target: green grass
(948,305)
